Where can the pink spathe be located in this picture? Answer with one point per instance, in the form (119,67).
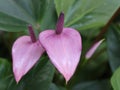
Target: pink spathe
(25,54)
(92,50)
(64,49)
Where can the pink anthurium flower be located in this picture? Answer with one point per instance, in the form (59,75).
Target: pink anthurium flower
(92,50)
(25,53)
(63,47)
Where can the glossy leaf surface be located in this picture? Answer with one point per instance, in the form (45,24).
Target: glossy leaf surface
(86,14)
(113,43)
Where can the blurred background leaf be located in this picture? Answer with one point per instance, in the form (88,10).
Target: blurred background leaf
(55,87)
(86,14)
(5,73)
(94,85)
(115,80)
(113,45)
(15,15)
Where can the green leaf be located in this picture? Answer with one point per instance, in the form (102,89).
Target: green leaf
(115,80)
(39,78)
(5,73)
(63,5)
(12,24)
(12,8)
(113,43)
(86,14)
(94,85)
(55,87)
(50,17)
(5,68)
(15,15)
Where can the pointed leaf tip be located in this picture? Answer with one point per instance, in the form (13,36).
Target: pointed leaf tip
(25,54)
(64,50)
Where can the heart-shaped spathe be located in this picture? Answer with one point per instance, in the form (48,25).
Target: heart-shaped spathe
(64,49)
(25,54)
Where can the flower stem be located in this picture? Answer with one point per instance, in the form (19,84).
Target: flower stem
(32,34)
(60,23)
(105,28)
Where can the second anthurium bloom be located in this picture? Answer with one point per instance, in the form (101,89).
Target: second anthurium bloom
(26,51)
(93,48)
(63,46)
